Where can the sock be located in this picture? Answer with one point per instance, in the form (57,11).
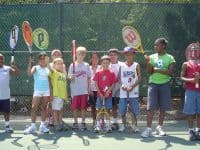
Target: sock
(107,123)
(115,120)
(33,124)
(197,129)
(98,123)
(42,123)
(191,129)
(7,123)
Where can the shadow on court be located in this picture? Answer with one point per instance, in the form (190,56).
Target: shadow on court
(176,139)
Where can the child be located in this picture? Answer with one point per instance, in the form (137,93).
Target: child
(56,53)
(190,75)
(115,65)
(130,78)
(41,92)
(104,81)
(161,67)
(5,72)
(59,89)
(94,66)
(80,81)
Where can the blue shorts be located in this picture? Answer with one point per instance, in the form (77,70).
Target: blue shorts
(192,102)
(159,97)
(5,105)
(134,104)
(108,102)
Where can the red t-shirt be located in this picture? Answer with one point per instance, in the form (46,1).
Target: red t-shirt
(191,69)
(104,79)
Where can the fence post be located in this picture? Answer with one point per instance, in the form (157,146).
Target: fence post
(61,15)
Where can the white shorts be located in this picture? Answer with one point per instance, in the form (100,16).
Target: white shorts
(57,103)
(41,93)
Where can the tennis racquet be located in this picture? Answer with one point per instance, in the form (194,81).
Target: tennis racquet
(13,38)
(132,38)
(41,38)
(73,55)
(27,34)
(102,116)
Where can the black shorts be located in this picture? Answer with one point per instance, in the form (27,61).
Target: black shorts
(93,99)
(5,105)
(115,101)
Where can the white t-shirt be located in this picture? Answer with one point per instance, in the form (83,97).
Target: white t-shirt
(79,86)
(115,69)
(92,83)
(128,78)
(5,82)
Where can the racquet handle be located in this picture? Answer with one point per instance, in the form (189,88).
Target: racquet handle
(12,59)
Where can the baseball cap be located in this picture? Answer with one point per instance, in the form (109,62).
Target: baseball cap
(129,50)
(115,50)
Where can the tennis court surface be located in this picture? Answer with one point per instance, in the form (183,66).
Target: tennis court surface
(176,139)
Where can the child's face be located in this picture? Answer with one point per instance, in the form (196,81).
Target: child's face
(42,61)
(56,54)
(159,47)
(58,65)
(105,64)
(80,56)
(129,56)
(113,57)
(94,59)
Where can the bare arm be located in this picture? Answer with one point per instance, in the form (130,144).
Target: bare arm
(168,71)
(30,69)
(183,74)
(14,69)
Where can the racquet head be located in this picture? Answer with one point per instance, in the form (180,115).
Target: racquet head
(13,38)
(27,34)
(73,54)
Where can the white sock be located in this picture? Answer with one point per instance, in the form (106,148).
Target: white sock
(107,123)
(7,123)
(197,129)
(98,123)
(191,129)
(42,123)
(33,125)
(115,120)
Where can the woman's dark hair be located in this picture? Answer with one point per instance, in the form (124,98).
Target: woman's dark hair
(93,53)
(163,41)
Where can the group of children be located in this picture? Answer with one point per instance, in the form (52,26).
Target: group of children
(105,78)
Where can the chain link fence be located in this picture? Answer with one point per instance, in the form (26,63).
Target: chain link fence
(98,28)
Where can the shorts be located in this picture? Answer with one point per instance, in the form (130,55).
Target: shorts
(57,103)
(134,105)
(192,102)
(108,103)
(115,101)
(79,102)
(5,105)
(93,99)
(159,97)
(41,93)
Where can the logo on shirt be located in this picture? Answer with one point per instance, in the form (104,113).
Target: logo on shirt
(80,73)
(104,78)
(159,63)
(128,74)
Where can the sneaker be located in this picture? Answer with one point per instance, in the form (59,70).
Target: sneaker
(75,126)
(83,126)
(192,135)
(135,128)
(160,131)
(43,129)
(8,129)
(198,135)
(115,126)
(108,129)
(97,129)
(146,133)
(122,128)
(30,130)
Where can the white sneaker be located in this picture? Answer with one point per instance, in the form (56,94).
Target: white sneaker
(135,128)
(160,131)
(146,133)
(122,128)
(30,130)
(43,129)
(8,129)
(108,129)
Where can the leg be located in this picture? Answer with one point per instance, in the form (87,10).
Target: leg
(149,118)
(161,118)
(44,102)
(35,103)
